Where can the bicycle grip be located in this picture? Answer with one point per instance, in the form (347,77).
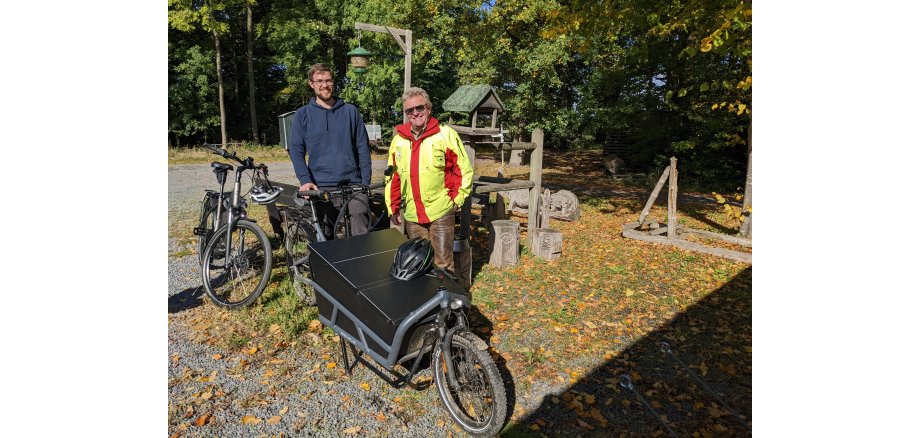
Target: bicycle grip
(316,193)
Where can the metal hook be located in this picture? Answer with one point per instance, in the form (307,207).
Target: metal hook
(665,348)
(626,382)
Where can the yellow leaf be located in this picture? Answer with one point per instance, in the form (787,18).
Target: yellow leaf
(274,420)
(574,330)
(534,427)
(352,430)
(268,373)
(217,356)
(366,386)
(330,365)
(630,292)
(249,419)
(203,419)
(380,417)
(608,355)
(706,44)
(206,395)
(315,325)
(253,350)
(283,411)
(715,106)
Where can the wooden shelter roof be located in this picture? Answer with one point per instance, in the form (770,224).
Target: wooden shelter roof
(471,97)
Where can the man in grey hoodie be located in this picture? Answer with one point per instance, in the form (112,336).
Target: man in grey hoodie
(331,132)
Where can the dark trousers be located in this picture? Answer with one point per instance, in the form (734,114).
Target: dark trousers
(330,212)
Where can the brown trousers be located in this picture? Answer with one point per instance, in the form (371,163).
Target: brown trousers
(441,234)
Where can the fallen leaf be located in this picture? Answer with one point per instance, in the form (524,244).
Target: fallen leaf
(715,412)
(380,417)
(330,365)
(249,419)
(274,420)
(315,325)
(275,328)
(203,419)
(608,355)
(283,411)
(366,386)
(206,395)
(352,430)
(268,373)
(253,350)
(217,356)
(534,427)
(630,292)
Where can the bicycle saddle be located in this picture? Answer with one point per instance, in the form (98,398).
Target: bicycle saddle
(221,167)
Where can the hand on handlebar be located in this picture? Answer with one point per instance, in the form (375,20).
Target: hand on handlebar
(308,186)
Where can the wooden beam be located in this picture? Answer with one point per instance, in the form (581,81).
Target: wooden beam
(654,196)
(510,146)
(672,200)
(683,244)
(536,177)
(381,29)
(514,185)
(723,237)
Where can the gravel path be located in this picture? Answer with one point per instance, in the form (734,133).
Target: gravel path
(271,390)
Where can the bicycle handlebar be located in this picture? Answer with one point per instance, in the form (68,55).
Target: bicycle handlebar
(246,163)
(342,191)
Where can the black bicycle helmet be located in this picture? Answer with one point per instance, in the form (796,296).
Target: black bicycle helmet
(265,194)
(412,259)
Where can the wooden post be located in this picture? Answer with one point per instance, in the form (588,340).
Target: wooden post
(546,202)
(475,114)
(651,199)
(504,243)
(494,116)
(536,177)
(404,44)
(672,200)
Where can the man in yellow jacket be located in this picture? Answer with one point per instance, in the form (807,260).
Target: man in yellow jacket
(431,178)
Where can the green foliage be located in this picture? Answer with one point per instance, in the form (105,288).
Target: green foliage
(666,79)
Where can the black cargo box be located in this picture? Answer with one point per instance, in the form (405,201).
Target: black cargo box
(356,272)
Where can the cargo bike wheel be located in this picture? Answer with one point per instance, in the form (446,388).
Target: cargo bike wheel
(476,401)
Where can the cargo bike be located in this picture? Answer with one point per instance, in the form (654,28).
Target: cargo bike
(392,326)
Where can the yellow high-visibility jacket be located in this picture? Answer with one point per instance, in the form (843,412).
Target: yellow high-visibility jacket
(431,174)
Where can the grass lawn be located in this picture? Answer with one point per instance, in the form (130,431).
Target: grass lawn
(567,331)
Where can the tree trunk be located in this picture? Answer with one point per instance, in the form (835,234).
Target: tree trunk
(220,92)
(252,80)
(746,225)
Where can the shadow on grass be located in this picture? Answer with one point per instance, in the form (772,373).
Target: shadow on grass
(187,299)
(712,338)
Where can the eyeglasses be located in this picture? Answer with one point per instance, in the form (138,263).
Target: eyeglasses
(326,82)
(415,109)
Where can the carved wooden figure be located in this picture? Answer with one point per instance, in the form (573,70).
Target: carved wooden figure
(547,244)
(504,243)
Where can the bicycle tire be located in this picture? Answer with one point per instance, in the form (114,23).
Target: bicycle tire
(240,279)
(297,235)
(479,404)
(206,222)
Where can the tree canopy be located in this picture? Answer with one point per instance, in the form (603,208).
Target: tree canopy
(667,78)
